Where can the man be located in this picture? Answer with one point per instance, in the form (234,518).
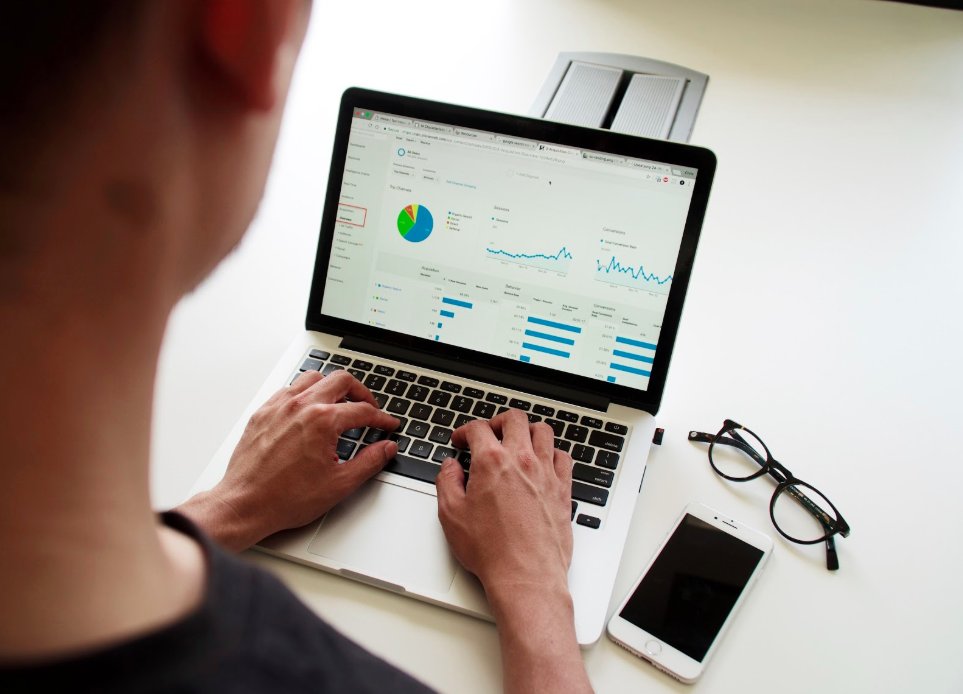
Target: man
(136,140)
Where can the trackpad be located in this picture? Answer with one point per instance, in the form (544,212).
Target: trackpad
(389,533)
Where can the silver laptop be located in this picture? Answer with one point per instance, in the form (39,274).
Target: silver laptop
(470,262)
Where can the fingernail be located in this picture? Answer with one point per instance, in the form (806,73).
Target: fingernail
(391,450)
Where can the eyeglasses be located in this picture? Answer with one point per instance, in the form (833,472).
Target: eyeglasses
(799,511)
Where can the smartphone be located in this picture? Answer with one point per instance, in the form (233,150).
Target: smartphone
(678,610)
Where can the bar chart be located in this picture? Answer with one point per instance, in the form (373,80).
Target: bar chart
(631,356)
(549,337)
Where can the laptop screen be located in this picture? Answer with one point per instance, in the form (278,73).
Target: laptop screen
(517,248)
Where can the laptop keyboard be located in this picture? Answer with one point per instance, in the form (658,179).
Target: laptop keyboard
(431,408)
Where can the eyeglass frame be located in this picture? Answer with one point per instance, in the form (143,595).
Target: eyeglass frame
(785,479)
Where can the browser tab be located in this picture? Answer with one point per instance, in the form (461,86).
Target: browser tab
(516,142)
(556,149)
(394,120)
(604,158)
(474,135)
(434,127)
(648,166)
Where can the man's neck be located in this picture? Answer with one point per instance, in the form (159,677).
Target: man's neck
(86,563)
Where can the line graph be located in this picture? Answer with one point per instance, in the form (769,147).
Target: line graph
(629,276)
(557,262)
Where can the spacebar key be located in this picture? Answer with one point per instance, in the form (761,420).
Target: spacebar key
(589,494)
(413,467)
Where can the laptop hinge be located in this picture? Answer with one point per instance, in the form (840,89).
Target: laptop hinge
(488,374)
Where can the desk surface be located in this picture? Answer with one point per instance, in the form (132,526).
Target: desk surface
(835,230)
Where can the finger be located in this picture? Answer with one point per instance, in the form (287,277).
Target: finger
(368,463)
(473,435)
(450,486)
(340,386)
(563,468)
(512,428)
(543,441)
(304,381)
(352,415)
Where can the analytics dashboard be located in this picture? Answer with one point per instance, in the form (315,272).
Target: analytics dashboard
(516,248)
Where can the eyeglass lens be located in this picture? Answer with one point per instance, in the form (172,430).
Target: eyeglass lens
(737,458)
(803,514)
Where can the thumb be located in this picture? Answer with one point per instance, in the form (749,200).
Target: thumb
(450,484)
(371,460)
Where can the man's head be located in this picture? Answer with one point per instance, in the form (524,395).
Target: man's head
(136,139)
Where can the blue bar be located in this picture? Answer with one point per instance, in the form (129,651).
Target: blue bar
(546,336)
(525,358)
(439,325)
(456,302)
(635,343)
(629,369)
(546,350)
(627,355)
(610,379)
(553,324)
(436,337)
(448,314)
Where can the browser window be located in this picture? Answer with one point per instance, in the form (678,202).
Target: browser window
(529,250)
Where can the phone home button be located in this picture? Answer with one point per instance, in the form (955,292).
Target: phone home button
(653,647)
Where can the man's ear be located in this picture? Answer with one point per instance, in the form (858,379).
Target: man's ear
(243,39)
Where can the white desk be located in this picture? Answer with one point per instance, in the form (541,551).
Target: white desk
(835,232)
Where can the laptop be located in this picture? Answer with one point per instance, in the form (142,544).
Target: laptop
(469,262)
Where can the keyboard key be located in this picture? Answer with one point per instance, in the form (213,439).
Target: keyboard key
(462,420)
(402,442)
(544,410)
(330,369)
(420,449)
(590,473)
(413,468)
(357,373)
(443,417)
(588,521)
(520,404)
(375,435)
(583,454)
(450,387)
(534,418)
(483,410)
(439,398)
(419,411)
(566,416)
(574,506)
(502,409)
(363,365)
(384,370)
(381,399)
(353,434)
(465,459)
(345,448)
(461,404)
(609,442)
(406,376)
(593,422)
(473,393)
(402,423)
(417,393)
(428,381)
(441,435)
(589,494)
(318,354)
(607,459)
(341,359)
(311,365)
(577,433)
(563,445)
(442,453)
(396,387)
(418,429)
(295,377)
(398,406)
(375,382)
(496,398)
(614,428)
(558,428)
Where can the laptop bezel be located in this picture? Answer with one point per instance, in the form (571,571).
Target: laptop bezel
(534,129)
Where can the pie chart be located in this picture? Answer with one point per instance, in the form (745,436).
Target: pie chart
(415,223)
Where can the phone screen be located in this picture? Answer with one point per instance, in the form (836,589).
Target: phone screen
(689,591)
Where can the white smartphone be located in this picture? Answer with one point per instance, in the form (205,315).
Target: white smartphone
(678,610)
